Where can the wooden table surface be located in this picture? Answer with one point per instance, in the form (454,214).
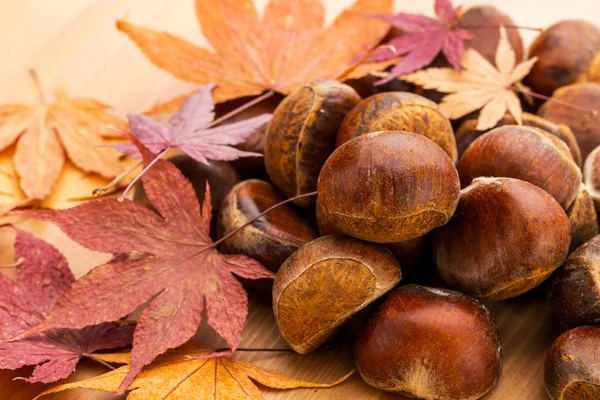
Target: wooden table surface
(73,44)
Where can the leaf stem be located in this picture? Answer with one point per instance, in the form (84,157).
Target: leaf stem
(36,80)
(146,168)
(241,108)
(236,230)
(492,26)
(99,361)
(344,75)
(557,101)
(18,262)
(255,349)
(114,182)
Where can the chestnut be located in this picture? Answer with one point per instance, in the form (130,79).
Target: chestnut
(324,283)
(301,135)
(575,288)
(591,176)
(585,125)
(582,218)
(572,365)
(567,53)
(506,237)
(430,344)
(467,133)
(480,20)
(515,152)
(399,111)
(221,177)
(388,187)
(273,237)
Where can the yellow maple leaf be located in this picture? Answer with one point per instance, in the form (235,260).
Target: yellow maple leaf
(185,373)
(56,152)
(479,85)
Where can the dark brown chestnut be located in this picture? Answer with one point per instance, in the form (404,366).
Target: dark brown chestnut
(467,133)
(324,283)
(430,344)
(575,288)
(515,152)
(493,248)
(302,133)
(567,53)
(273,237)
(399,111)
(388,187)
(582,218)
(591,176)
(572,365)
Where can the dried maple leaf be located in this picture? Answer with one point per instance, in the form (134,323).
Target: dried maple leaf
(480,85)
(188,130)
(423,38)
(42,277)
(47,134)
(287,48)
(180,274)
(186,373)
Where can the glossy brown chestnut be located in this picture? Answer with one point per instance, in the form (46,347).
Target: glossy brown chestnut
(567,53)
(582,218)
(506,237)
(585,125)
(515,152)
(467,133)
(399,111)
(575,288)
(430,344)
(591,176)
(388,187)
(302,133)
(273,237)
(480,20)
(572,365)
(221,177)
(324,283)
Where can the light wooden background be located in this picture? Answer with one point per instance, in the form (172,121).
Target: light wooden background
(73,44)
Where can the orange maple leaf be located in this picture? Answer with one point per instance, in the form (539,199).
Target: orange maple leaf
(287,48)
(186,373)
(49,138)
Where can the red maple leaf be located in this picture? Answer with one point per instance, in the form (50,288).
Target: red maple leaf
(42,277)
(189,131)
(423,39)
(180,274)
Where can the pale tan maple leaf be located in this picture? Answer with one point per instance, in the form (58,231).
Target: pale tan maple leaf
(38,143)
(480,85)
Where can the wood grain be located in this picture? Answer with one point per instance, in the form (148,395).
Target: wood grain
(74,44)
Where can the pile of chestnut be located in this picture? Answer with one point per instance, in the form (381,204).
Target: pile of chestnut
(403,197)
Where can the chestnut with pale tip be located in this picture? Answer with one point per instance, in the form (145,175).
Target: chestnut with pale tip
(506,237)
(388,186)
(399,111)
(324,283)
(572,365)
(515,152)
(273,237)
(301,135)
(575,288)
(429,343)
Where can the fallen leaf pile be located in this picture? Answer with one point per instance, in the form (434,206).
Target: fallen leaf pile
(287,48)
(46,136)
(186,372)
(423,38)
(42,277)
(480,85)
(181,274)
(187,130)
